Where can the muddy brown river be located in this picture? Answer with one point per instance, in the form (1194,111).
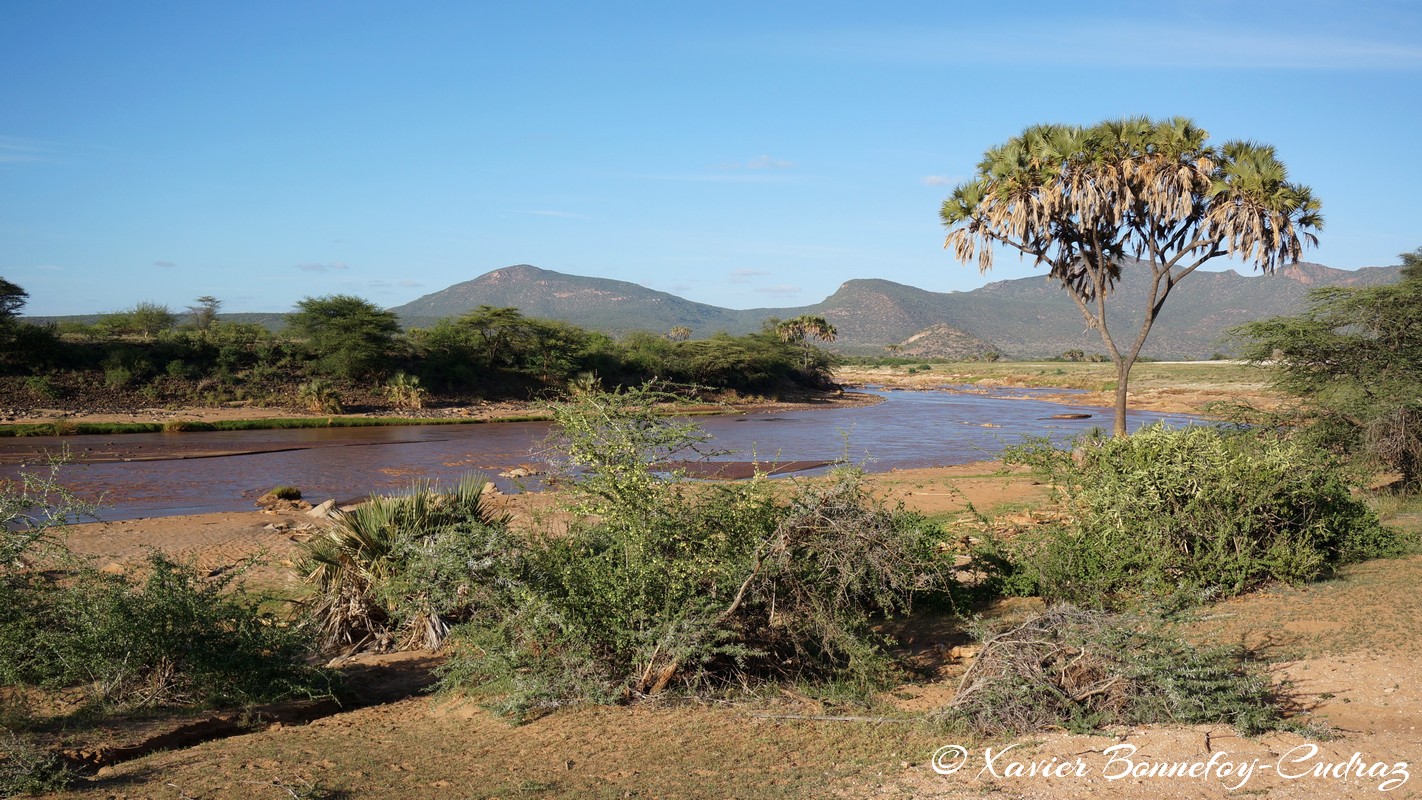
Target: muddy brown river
(189,473)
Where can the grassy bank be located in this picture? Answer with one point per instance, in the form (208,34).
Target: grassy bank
(66,428)
(70,428)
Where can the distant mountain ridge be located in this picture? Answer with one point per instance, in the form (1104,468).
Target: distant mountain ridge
(1021,318)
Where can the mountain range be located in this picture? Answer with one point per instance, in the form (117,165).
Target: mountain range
(1022,318)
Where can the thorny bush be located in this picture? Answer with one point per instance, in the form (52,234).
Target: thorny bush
(663,584)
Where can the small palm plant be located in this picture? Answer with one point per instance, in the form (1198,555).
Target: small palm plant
(319,396)
(405,392)
(584,384)
(394,572)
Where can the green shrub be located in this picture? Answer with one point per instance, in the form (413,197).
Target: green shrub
(178,368)
(583,383)
(171,636)
(663,585)
(1083,670)
(1192,514)
(117,377)
(285,493)
(41,386)
(27,768)
(34,509)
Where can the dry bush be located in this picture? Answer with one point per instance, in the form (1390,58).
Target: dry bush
(1081,670)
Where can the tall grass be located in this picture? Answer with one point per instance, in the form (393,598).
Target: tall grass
(69,428)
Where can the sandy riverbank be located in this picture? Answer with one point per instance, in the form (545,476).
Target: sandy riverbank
(483,411)
(1169,387)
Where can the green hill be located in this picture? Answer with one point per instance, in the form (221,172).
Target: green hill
(597,303)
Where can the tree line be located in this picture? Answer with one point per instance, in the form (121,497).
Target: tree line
(346,342)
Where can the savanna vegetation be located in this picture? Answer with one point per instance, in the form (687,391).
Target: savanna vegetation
(657,586)
(654,586)
(340,353)
(1181,517)
(643,586)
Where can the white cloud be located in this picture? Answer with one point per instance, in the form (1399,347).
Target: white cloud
(726,175)
(759,162)
(312,267)
(779,289)
(14,150)
(939,180)
(548,213)
(745,275)
(1173,44)
(164,264)
(381,284)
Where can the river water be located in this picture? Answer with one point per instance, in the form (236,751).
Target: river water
(907,429)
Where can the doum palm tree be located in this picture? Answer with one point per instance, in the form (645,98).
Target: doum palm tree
(803,328)
(1135,193)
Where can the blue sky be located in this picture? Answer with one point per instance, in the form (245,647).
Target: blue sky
(742,154)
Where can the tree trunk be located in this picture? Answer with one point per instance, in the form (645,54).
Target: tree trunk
(1123,372)
(1408,464)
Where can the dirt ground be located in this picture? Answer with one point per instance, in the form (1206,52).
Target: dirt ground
(1189,387)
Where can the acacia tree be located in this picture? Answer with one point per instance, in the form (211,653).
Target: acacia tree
(145,319)
(499,334)
(350,337)
(1135,193)
(204,312)
(1355,357)
(12,299)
